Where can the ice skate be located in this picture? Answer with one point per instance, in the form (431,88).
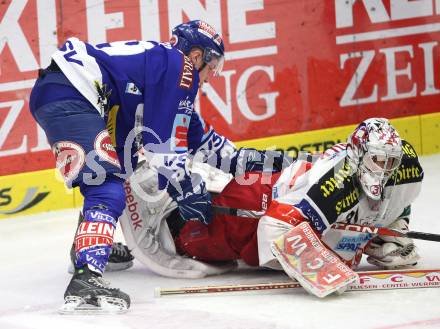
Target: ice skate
(89,293)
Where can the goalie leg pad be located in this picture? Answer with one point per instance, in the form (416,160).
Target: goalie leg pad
(305,259)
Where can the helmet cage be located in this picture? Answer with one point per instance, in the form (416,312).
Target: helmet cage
(374,151)
(377,160)
(375,168)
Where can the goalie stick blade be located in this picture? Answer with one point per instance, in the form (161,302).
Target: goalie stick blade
(369,280)
(74,305)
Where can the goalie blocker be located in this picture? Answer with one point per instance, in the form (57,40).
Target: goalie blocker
(305,259)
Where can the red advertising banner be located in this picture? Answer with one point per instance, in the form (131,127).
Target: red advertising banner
(291,66)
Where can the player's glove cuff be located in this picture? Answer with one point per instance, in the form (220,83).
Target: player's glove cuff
(247,159)
(192,198)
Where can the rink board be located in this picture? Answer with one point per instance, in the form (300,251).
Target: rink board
(423,132)
(41,191)
(34,192)
(327,64)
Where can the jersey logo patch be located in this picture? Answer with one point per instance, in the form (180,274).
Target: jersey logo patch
(105,149)
(131,88)
(70,158)
(312,214)
(409,170)
(179,136)
(186,105)
(103,96)
(352,243)
(186,79)
(335,192)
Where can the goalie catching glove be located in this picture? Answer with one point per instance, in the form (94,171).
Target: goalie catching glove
(393,252)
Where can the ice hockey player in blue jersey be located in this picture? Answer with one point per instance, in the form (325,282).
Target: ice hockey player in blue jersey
(103,105)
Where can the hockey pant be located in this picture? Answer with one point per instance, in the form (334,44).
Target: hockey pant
(230,237)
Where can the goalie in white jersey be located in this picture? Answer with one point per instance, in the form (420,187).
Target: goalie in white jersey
(371,180)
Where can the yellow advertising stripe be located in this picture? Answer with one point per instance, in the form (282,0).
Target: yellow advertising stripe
(430,133)
(423,132)
(33,192)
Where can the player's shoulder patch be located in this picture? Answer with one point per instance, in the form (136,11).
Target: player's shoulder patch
(408,150)
(410,170)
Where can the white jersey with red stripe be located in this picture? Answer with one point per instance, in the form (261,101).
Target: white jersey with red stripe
(327,192)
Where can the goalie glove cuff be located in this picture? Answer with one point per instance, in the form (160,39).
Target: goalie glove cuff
(390,255)
(393,252)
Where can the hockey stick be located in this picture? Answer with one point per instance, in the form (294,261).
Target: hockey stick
(387,231)
(339,226)
(368,280)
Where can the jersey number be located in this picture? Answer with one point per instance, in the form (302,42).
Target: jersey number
(352,217)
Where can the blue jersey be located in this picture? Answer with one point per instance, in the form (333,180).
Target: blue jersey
(145,91)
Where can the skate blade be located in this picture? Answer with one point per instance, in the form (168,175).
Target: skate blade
(105,305)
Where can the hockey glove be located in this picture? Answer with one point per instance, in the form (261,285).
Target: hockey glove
(393,252)
(192,198)
(247,159)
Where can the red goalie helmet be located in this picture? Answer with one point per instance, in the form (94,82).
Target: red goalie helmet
(374,152)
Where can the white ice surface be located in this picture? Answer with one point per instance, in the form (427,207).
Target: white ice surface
(33,277)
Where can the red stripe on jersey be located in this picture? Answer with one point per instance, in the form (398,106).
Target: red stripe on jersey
(304,167)
(285,212)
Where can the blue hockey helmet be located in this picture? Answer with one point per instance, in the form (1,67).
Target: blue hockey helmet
(199,34)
